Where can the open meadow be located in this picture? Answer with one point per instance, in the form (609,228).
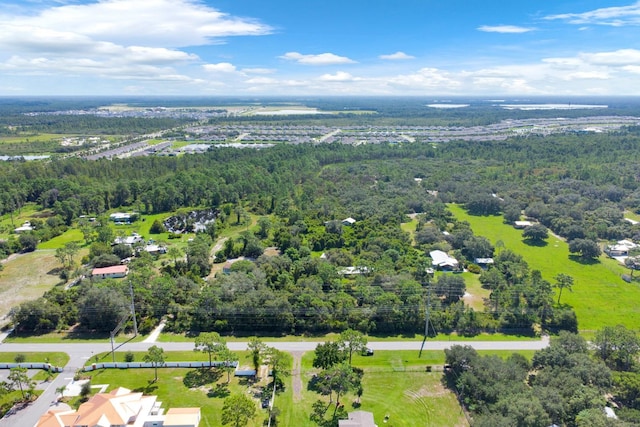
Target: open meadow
(599,297)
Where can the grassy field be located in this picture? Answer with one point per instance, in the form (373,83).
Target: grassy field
(600,297)
(27,277)
(30,137)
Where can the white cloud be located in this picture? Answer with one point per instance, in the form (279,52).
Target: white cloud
(618,57)
(614,16)
(165,23)
(340,76)
(634,69)
(258,70)
(321,59)
(505,29)
(396,56)
(116,39)
(261,81)
(221,67)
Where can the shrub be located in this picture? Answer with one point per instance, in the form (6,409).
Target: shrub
(157,227)
(474,268)
(129,357)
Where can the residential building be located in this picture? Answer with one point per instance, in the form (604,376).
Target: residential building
(121,408)
(443,261)
(113,272)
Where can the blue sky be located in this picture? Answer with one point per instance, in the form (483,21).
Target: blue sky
(320,47)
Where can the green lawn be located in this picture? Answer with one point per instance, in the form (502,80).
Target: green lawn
(600,297)
(71,235)
(56,359)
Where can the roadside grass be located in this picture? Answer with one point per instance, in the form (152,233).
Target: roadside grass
(69,337)
(170,337)
(27,277)
(55,358)
(599,296)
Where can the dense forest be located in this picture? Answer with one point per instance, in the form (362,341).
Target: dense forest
(576,185)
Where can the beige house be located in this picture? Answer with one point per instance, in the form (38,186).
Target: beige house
(121,408)
(113,272)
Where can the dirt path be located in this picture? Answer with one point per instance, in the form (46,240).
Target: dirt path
(296,377)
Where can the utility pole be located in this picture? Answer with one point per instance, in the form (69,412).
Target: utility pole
(427,319)
(133,311)
(427,313)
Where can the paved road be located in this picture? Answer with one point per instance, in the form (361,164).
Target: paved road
(80,353)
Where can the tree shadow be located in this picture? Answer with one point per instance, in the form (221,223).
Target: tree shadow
(55,271)
(536,243)
(219,391)
(199,377)
(148,389)
(584,261)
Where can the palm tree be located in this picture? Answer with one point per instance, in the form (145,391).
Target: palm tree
(563,281)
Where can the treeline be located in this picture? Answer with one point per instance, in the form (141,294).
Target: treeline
(85,124)
(565,384)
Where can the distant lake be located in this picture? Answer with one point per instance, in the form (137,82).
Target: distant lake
(528,107)
(447,105)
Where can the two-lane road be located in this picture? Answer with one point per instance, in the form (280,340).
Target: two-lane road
(79,354)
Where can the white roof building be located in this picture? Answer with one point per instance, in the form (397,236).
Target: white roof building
(443,260)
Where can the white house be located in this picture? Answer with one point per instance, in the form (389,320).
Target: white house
(620,249)
(443,261)
(348,221)
(128,240)
(121,407)
(24,228)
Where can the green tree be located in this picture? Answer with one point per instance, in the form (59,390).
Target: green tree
(155,356)
(256,352)
(279,363)
(28,242)
(617,345)
(211,343)
(338,379)
(587,248)
(328,354)
(19,379)
(352,341)
(632,263)
(563,281)
(174,253)
(237,410)
(67,253)
(101,309)
(228,357)
(536,232)
(264,226)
